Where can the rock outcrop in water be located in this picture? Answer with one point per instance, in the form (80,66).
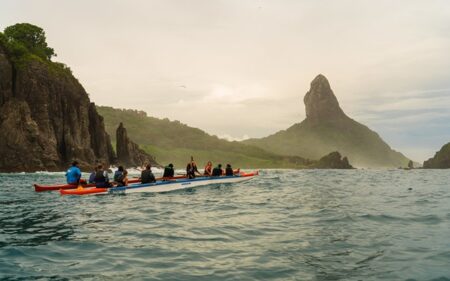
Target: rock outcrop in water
(441,159)
(47,119)
(334,160)
(327,128)
(128,152)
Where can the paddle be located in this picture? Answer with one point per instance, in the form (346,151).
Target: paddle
(79,187)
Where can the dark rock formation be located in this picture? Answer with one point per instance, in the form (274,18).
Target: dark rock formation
(441,159)
(333,160)
(129,153)
(320,102)
(46,119)
(327,128)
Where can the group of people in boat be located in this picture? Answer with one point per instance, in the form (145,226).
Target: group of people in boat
(100,176)
(192,170)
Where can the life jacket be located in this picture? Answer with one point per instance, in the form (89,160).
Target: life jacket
(229,171)
(190,171)
(168,172)
(92,178)
(208,170)
(118,176)
(216,172)
(100,177)
(147,176)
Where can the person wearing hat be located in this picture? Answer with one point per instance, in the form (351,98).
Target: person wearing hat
(73,174)
(169,171)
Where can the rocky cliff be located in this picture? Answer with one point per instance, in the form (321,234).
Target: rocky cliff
(327,128)
(441,159)
(129,153)
(334,160)
(47,119)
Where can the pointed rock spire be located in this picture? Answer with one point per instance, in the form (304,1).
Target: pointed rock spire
(320,102)
(129,153)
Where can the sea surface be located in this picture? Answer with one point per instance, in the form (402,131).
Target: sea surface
(283,225)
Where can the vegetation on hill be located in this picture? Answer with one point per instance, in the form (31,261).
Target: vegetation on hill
(327,128)
(441,159)
(47,119)
(174,142)
(24,42)
(361,145)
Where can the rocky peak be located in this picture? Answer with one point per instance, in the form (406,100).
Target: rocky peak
(320,102)
(128,152)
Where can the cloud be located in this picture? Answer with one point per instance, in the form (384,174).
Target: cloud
(250,62)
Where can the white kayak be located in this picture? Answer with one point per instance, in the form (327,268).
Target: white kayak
(162,186)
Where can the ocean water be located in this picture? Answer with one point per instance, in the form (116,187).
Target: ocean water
(283,225)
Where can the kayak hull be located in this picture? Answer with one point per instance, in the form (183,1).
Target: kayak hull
(168,186)
(162,186)
(56,187)
(42,188)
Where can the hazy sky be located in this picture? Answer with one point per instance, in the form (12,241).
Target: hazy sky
(241,68)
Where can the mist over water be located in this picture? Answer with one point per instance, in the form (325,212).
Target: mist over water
(283,225)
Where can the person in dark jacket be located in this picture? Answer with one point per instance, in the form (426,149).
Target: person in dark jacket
(229,170)
(217,171)
(147,175)
(92,175)
(119,176)
(102,178)
(169,171)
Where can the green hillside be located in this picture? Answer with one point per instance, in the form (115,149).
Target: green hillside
(327,128)
(312,140)
(174,142)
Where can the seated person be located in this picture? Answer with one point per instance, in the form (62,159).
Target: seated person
(73,174)
(229,170)
(102,178)
(208,169)
(119,176)
(169,171)
(191,169)
(92,175)
(217,171)
(147,175)
(123,181)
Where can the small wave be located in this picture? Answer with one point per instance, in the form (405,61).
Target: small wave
(371,257)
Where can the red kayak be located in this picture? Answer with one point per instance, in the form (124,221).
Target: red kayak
(82,191)
(41,188)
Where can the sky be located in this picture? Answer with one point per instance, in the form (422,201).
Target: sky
(240,69)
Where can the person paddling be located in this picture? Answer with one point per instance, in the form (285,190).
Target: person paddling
(217,171)
(102,178)
(208,169)
(92,175)
(119,176)
(147,175)
(73,174)
(191,169)
(229,170)
(169,171)
(124,179)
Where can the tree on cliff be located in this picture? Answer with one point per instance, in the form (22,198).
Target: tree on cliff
(23,38)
